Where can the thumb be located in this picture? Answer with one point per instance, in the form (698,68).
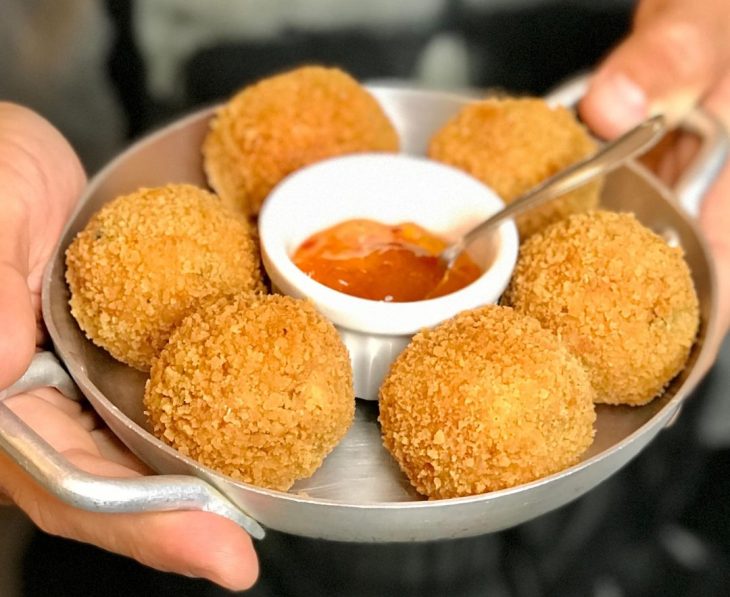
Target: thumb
(672,58)
(17,316)
(40,179)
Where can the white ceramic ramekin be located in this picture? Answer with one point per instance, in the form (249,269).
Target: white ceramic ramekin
(392,189)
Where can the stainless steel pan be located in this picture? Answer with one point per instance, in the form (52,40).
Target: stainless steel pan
(358,494)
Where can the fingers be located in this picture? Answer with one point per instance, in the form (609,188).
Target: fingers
(17,318)
(192,543)
(195,544)
(677,52)
(63,427)
(112,449)
(68,427)
(17,323)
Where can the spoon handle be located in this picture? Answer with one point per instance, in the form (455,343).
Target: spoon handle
(635,142)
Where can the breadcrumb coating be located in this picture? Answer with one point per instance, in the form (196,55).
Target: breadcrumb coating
(617,295)
(286,122)
(485,401)
(513,144)
(146,258)
(258,388)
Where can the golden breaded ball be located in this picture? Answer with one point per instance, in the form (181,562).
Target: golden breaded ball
(485,401)
(258,388)
(146,258)
(285,122)
(511,145)
(618,296)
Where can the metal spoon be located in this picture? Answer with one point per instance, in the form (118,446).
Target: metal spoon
(635,142)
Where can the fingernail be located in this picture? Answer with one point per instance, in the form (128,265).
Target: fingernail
(676,106)
(622,101)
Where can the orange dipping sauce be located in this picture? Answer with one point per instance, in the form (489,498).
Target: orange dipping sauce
(370,260)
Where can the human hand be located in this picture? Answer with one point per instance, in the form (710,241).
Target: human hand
(40,180)
(677,57)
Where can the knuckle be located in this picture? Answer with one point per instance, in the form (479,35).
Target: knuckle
(682,49)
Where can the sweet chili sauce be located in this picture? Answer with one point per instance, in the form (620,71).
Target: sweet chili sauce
(381,262)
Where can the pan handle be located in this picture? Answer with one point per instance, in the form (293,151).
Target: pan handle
(706,166)
(701,173)
(698,177)
(91,492)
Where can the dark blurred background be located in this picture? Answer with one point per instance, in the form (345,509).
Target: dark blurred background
(107,72)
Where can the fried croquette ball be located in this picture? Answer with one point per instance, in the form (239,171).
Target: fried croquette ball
(511,145)
(258,388)
(285,122)
(146,258)
(485,401)
(618,296)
